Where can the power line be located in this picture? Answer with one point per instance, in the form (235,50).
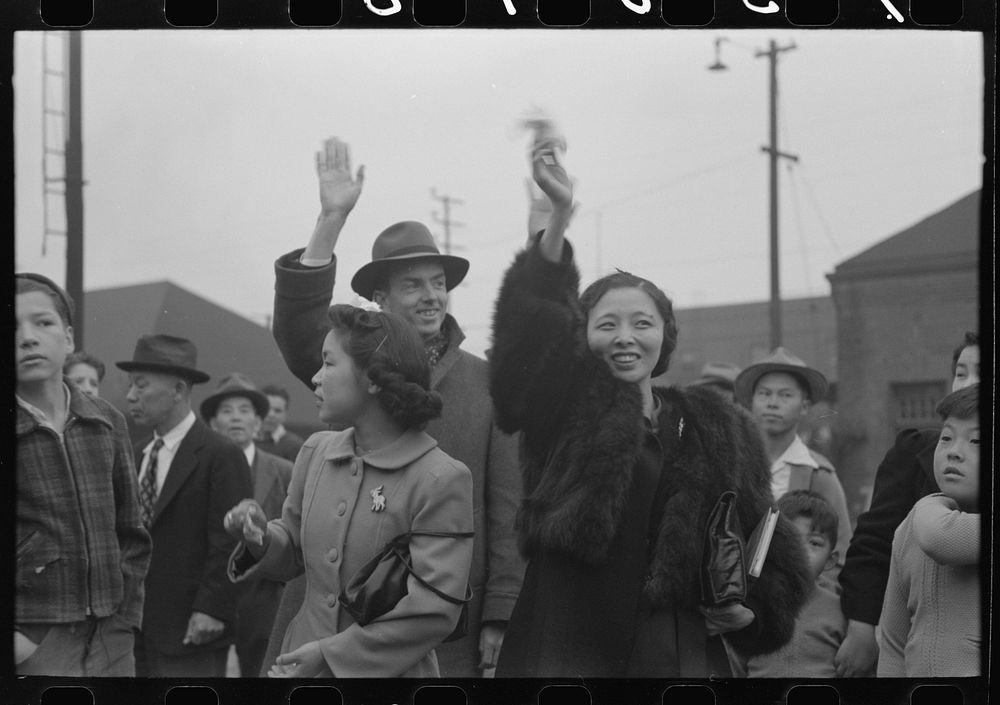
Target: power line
(801,232)
(819,212)
(680,178)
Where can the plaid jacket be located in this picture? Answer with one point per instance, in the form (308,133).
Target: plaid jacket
(81,546)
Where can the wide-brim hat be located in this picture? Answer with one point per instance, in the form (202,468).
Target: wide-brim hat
(167,354)
(718,374)
(408,240)
(780,360)
(235,385)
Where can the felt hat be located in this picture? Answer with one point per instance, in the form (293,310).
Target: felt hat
(408,240)
(167,354)
(718,374)
(780,360)
(235,385)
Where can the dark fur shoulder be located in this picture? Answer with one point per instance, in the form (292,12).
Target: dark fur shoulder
(535,344)
(777,596)
(719,449)
(576,480)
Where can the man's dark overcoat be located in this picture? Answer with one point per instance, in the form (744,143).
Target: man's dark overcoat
(208,476)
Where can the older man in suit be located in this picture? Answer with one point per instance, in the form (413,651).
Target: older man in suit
(236,410)
(189,476)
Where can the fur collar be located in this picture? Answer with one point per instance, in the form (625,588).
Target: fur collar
(576,505)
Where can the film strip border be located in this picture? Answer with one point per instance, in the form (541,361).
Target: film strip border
(519,14)
(962,15)
(503,692)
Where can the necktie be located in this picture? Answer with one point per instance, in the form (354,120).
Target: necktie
(147,488)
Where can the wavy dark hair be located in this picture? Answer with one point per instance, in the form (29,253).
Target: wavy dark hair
(626,280)
(390,352)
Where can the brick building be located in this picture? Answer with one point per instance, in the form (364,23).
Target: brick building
(901,307)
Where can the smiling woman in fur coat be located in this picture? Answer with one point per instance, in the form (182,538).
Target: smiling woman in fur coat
(620,477)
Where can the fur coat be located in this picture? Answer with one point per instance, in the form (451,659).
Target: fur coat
(582,438)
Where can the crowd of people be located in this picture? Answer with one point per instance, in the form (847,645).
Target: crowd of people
(539,514)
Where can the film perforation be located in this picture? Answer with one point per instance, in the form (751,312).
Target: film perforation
(190,14)
(537,25)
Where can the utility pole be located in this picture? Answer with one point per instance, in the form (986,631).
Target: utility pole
(74,188)
(774,154)
(446,221)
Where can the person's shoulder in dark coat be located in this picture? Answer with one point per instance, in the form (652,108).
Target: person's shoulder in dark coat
(905,475)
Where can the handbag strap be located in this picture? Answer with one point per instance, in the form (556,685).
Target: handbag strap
(403,540)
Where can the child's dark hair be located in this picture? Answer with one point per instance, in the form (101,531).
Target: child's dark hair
(625,280)
(391,353)
(969,339)
(63,303)
(804,503)
(963,404)
(81,357)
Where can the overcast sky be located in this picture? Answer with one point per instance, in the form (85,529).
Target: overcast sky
(199,151)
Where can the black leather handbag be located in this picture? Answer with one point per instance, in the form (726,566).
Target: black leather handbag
(381,583)
(723,568)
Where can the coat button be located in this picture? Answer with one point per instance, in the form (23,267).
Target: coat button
(333,555)
(341,508)
(331,600)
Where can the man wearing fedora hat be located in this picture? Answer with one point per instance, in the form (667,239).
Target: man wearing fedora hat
(410,277)
(236,410)
(778,391)
(189,477)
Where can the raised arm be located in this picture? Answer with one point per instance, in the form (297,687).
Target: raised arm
(944,532)
(304,278)
(550,175)
(338,193)
(536,324)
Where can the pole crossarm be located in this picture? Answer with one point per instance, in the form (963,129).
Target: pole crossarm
(774,50)
(779,153)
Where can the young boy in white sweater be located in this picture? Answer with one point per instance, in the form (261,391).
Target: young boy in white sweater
(930,623)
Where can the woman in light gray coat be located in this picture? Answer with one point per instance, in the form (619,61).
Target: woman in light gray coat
(354,490)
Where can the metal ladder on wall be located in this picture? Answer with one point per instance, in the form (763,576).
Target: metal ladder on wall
(54,113)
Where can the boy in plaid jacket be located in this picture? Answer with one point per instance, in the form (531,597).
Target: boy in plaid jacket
(82,551)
